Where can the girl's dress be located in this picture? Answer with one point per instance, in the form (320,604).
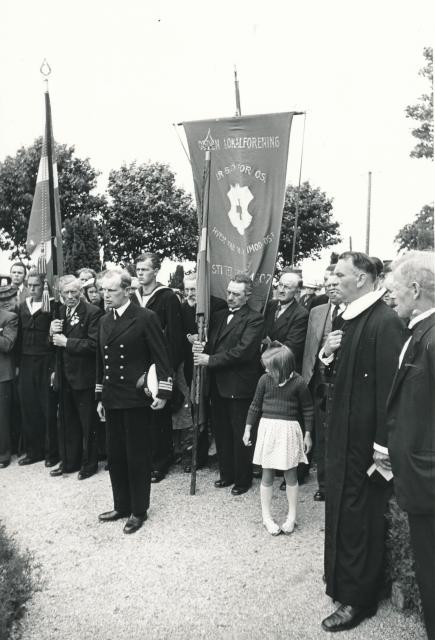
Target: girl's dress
(280,439)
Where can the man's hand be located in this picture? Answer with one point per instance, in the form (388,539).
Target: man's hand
(158,404)
(308,442)
(59,340)
(101,412)
(192,337)
(333,342)
(201,359)
(56,326)
(382,460)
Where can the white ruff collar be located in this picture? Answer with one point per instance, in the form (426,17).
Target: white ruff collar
(359,305)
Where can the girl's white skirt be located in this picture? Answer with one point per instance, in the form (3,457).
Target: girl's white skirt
(280,444)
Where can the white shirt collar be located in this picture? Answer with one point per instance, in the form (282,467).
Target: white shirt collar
(33,306)
(120,310)
(420,317)
(359,305)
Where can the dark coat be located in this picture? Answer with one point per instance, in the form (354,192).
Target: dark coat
(289,329)
(355,507)
(78,357)
(234,350)
(8,336)
(318,324)
(411,422)
(165,303)
(33,332)
(126,349)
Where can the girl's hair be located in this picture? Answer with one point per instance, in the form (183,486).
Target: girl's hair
(279,362)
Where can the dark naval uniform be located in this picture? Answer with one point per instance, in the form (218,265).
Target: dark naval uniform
(127,346)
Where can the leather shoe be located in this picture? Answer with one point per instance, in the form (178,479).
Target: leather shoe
(347,617)
(283,485)
(111,516)
(220,484)
(26,460)
(82,475)
(319,496)
(134,523)
(55,473)
(237,491)
(157,476)
(4,464)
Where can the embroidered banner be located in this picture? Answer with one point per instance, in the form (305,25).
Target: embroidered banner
(246,195)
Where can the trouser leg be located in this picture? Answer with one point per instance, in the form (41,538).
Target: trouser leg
(221,425)
(422,530)
(5,420)
(117,458)
(161,433)
(242,455)
(138,444)
(32,405)
(86,408)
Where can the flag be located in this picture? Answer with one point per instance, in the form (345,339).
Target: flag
(44,234)
(246,195)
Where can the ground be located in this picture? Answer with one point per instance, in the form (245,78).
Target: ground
(201,567)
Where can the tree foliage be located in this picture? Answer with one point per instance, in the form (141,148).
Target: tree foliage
(148,212)
(420,233)
(77,179)
(176,279)
(422,112)
(81,244)
(316,229)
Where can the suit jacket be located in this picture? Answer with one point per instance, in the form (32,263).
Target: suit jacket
(234,350)
(22,295)
(8,336)
(411,422)
(33,332)
(290,328)
(126,349)
(317,321)
(78,357)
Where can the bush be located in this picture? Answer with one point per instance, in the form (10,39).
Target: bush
(400,560)
(15,582)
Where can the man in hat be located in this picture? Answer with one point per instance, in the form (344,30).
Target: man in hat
(8,336)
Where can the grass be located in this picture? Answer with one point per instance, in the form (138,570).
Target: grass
(16,583)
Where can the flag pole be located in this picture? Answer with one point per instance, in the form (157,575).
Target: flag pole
(237,90)
(46,71)
(198,371)
(298,192)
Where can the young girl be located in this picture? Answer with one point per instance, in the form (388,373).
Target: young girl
(280,399)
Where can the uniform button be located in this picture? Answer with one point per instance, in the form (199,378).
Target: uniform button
(121,346)
(106,347)
(107,357)
(107,366)
(107,377)
(121,356)
(121,366)
(122,378)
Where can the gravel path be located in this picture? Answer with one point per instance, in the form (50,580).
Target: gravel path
(201,567)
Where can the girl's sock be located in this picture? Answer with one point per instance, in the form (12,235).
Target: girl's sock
(292,498)
(266,494)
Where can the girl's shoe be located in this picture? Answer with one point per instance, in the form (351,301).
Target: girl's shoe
(271,527)
(288,526)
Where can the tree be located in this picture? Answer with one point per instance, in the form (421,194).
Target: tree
(81,244)
(148,212)
(422,112)
(77,179)
(316,229)
(420,233)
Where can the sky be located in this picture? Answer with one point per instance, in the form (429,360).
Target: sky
(124,72)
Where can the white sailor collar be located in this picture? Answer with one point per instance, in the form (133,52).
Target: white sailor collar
(359,305)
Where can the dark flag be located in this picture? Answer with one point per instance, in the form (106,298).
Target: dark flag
(44,235)
(246,195)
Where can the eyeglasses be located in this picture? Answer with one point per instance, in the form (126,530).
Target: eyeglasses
(287,287)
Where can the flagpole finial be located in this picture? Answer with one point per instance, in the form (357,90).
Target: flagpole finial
(45,70)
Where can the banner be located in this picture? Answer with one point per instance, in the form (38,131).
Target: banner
(246,195)
(44,234)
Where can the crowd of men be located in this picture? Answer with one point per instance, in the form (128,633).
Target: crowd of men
(102,372)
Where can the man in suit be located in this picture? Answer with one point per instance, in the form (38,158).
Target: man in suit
(233,359)
(363,355)
(285,320)
(163,301)
(411,417)
(75,335)
(18,275)
(321,321)
(37,398)
(130,340)
(8,336)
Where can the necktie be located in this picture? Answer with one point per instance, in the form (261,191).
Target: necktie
(277,312)
(334,313)
(115,314)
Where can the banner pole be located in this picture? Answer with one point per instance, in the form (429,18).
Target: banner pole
(295,229)
(237,90)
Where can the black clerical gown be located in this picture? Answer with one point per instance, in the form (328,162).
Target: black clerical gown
(355,506)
